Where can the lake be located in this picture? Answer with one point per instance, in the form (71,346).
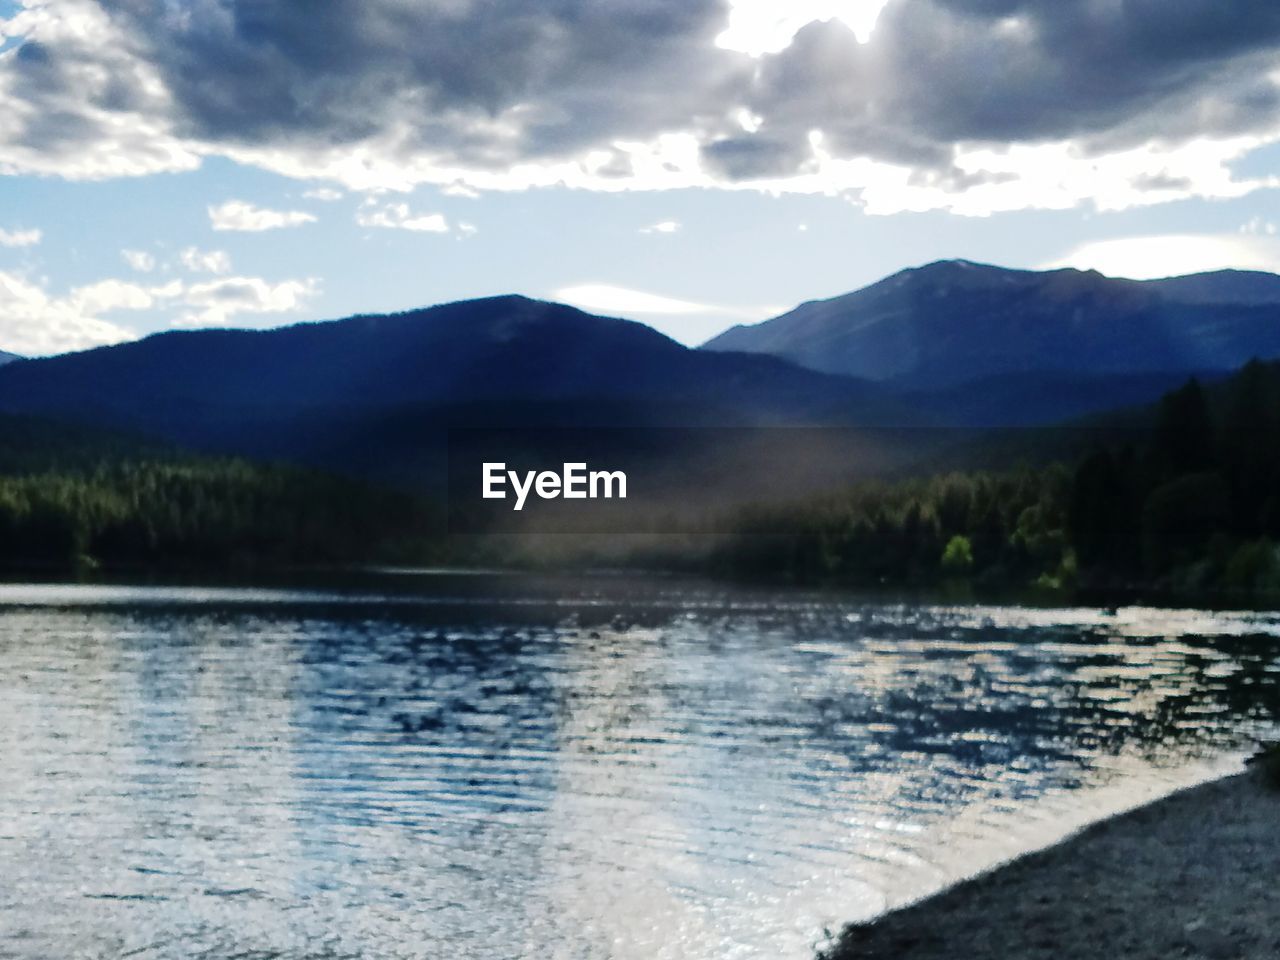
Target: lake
(502,767)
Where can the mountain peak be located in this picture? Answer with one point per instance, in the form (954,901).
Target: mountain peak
(372,387)
(955,321)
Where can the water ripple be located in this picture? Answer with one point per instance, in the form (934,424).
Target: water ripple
(509,770)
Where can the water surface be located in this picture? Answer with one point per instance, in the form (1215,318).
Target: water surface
(498,768)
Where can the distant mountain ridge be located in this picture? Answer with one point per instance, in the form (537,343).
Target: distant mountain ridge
(1220,286)
(949,344)
(954,322)
(370,394)
(8,357)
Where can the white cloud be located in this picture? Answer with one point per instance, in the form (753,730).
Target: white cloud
(239,215)
(460,190)
(1154,257)
(664,226)
(757,27)
(1257,225)
(467,229)
(216,302)
(205,261)
(139,260)
(397,216)
(106,296)
(687,321)
(19,238)
(1045,176)
(624,300)
(324,194)
(33,323)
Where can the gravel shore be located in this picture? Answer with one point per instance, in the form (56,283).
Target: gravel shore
(1195,875)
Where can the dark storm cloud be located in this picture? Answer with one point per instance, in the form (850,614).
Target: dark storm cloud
(754,157)
(487,84)
(1109,72)
(576,71)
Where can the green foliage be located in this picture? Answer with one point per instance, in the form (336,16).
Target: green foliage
(1196,506)
(201,511)
(957,558)
(1193,504)
(997,526)
(1180,517)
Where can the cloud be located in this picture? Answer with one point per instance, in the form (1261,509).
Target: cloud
(80,102)
(33,323)
(139,260)
(19,238)
(1257,225)
(216,302)
(665,226)
(973,106)
(766,26)
(688,321)
(324,194)
(106,296)
(397,216)
(205,261)
(625,301)
(1153,257)
(460,190)
(239,215)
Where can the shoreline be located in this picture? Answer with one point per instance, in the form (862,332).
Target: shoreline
(951,593)
(1192,875)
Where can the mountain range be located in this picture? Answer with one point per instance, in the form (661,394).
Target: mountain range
(952,343)
(954,322)
(374,394)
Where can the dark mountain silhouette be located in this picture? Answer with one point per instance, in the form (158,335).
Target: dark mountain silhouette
(8,357)
(1043,398)
(1220,286)
(951,323)
(373,394)
(952,343)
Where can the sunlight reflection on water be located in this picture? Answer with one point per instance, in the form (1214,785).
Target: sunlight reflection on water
(507,772)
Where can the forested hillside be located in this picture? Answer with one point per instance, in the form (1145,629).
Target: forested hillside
(71,495)
(1193,503)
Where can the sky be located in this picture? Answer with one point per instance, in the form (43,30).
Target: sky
(691,164)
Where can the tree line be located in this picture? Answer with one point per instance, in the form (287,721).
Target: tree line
(1190,504)
(202,511)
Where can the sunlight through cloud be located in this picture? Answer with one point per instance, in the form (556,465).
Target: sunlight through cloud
(757,27)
